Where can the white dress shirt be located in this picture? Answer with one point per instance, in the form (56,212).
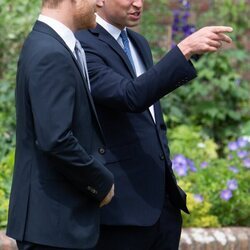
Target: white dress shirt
(139,66)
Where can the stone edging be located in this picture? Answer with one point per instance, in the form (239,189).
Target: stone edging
(230,238)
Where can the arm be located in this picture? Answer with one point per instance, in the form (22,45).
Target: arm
(52,94)
(113,89)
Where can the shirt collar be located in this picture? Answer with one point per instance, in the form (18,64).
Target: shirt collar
(111,29)
(63,31)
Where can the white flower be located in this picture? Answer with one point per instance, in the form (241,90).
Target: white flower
(201,145)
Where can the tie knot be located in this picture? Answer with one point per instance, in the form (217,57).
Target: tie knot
(124,36)
(78,45)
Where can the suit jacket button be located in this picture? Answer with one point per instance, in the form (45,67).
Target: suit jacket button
(162,157)
(101,151)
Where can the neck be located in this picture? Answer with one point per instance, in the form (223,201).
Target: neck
(99,13)
(60,15)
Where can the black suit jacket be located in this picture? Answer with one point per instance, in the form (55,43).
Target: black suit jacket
(137,150)
(58,181)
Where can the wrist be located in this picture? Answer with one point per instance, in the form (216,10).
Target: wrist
(186,51)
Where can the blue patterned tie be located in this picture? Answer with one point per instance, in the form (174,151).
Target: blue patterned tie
(126,48)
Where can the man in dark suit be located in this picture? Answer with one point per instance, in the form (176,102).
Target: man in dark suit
(126,87)
(59,181)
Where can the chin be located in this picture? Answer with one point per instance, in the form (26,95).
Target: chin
(132,24)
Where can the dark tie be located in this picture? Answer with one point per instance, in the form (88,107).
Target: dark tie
(126,48)
(81,58)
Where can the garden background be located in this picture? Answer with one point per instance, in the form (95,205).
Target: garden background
(208,119)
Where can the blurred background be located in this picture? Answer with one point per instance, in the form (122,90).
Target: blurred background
(208,119)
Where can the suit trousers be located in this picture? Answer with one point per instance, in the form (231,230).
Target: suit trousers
(163,235)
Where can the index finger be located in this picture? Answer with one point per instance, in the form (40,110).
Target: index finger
(221,29)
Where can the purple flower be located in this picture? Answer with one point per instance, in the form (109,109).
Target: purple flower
(191,165)
(234,169)
(180,165)
(246,163)
(188,30)
(198,197)
(233,146)
(242,154)
(204,164)
(180,24)
(180,160)
(242,142)
(181,170)
(226,194)
(232,184)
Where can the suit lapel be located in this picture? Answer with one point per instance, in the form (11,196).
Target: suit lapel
(42,27)
(141,48)
(104,36)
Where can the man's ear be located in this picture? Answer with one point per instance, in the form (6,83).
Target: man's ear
(100,3)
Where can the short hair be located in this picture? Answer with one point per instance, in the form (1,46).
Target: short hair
(51,3)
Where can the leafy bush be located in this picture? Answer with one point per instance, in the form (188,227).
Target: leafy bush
(6,167)
(16,18)
(199,209)
(215,107)
(218,99)
(217,187)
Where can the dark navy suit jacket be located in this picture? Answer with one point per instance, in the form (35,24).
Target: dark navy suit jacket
(137,150)
(58,181)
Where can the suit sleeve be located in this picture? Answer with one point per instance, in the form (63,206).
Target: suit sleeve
(113,89)
(52,94)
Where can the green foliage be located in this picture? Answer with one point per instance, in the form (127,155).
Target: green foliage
(16,18)
(154,25)
(232,13)
(200,215)
(201,172)
(218,99)
(6,166)
(245,128)
(212,180)
(214,107)
(189,140)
